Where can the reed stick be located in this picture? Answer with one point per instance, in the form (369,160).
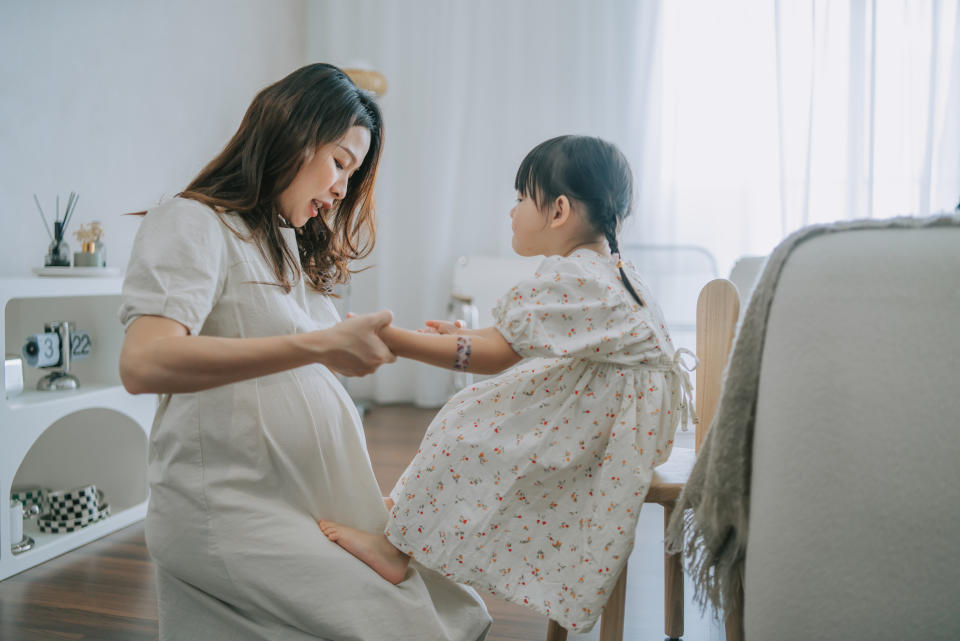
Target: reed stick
(46,225)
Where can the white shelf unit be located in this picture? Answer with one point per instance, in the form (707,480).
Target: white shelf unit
(96,434)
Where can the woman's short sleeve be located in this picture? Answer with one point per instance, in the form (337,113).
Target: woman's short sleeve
(176,267)
(564,310)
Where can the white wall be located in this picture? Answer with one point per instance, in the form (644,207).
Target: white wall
(124,102)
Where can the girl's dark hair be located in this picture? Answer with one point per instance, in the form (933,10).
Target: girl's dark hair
(313,106)
(588,170)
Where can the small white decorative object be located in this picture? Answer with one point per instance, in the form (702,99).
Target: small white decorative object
(12,374)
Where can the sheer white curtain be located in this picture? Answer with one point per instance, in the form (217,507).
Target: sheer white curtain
(774,115)
(743,121)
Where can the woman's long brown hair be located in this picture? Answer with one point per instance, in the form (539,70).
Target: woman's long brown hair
(286,122)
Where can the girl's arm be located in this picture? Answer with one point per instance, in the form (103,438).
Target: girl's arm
(160,357)
(490,353)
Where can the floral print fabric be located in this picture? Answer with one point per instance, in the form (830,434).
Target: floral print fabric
(528,485)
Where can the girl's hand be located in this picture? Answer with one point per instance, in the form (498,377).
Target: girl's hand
(357,349)
(442,327)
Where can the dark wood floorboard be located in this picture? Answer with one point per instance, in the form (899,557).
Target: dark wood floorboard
(105,590)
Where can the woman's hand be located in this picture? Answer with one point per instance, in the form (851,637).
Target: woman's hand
(442,327)
(356,348)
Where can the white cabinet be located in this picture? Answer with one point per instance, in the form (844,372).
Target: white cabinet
(96,434)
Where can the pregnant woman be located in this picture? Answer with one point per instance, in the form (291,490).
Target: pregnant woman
(228,318)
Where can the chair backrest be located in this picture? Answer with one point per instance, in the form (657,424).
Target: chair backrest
(718,307)
(744,274)
(855,492)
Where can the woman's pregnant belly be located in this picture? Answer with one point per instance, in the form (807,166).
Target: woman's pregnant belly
(242,455)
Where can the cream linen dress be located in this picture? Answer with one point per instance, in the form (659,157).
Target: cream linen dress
(239,473)
(528,485)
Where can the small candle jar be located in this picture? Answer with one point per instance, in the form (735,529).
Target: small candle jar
(89,256)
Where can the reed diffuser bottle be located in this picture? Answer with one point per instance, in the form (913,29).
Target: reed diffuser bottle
(58,254)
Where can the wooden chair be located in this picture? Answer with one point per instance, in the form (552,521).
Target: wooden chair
(718,307)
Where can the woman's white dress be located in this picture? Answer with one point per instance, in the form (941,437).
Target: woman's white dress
(528,485)
(239,473)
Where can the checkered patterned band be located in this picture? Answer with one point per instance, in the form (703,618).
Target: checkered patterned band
(66,510)
(31,496)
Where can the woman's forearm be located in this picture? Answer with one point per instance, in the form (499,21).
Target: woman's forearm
(490,353)
(159,357)
(181,364)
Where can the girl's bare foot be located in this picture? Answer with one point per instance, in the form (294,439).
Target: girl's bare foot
(373,549)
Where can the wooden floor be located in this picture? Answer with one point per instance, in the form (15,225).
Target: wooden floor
(106,591)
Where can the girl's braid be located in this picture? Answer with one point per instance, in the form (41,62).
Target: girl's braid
(610,231)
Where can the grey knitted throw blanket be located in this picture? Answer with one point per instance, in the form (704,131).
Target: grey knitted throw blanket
(709,524)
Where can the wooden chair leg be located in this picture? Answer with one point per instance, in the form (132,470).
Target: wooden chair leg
(672,587)
(611,622)
(555,631)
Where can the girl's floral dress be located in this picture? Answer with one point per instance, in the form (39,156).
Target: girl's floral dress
(528,484)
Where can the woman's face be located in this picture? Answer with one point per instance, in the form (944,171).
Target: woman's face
(323,178)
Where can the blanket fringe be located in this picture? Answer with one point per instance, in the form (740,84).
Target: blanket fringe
(717,575)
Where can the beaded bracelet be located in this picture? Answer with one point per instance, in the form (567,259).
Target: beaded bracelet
(463,354)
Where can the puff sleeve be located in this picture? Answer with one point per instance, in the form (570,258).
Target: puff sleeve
(565,311)
(177,266)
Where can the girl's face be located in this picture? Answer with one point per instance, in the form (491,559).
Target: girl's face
(322,180)
(528,225)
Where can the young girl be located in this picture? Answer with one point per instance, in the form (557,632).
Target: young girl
(529,484)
